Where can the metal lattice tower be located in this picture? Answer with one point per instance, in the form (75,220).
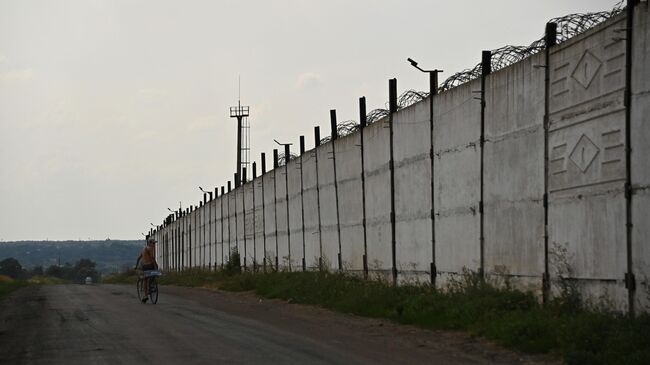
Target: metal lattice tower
(243,136)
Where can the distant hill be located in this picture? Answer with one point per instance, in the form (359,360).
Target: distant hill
(110,255)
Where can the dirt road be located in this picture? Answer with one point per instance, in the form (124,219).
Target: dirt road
(95,324)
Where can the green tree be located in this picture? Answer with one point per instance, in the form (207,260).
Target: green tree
(84,268)
(12,268)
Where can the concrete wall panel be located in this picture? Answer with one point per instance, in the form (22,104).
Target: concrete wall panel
(269,217)
(348,174)
(412,141)
(377,176)
(249,224)
(219,231)
(328,207)
(295,214)
(514,173)
(457,179)
(587,160)
(282,237)
(312,215)
(258,250)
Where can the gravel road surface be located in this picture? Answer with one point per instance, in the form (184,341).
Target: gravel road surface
(105,324)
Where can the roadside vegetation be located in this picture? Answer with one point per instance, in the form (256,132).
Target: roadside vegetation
(565,327)
(14,276)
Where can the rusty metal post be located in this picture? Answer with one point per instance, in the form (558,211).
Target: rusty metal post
(335,136)
(275,203)
(550,40)
(363,121)
(254,219)
(243,191)
(486,69)
(630,282)
(229,228)
(287,158)
(320,223)
(264,258)
(302,202)
(392,101)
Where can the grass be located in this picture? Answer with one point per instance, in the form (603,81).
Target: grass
(8,285)
(512,318)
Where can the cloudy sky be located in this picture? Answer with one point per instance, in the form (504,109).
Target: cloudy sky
(112,111)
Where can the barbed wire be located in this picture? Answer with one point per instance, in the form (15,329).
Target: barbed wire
(343,129)
(282,158)
(568,26)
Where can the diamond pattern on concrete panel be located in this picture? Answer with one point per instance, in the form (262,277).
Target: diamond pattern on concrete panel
(584,153)
(586,69)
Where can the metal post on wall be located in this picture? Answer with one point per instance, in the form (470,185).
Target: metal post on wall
(243,191)
(550,40)
(433,90)
(223,195)
(320,223)
(229,231)
(486,69)
(254,219)
(275,204)
(335,136)
(183,239)
(302,201)
(392,100)
(210,243)
(189,235)
(205,201)
(363,121)
(234,194)
(264,258)
(287,157)
(630,281)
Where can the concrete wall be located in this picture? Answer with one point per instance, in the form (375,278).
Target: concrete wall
(249,225)
(514,172)
(270,209)
(377,175)
(587,161)
(412,138)
(457,179)
(260,238)
(348,176)
(295,215)
(585,244)
(328,207)
(282,223)
(312,212)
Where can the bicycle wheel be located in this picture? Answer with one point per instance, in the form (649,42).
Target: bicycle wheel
(153,290)
(140,289)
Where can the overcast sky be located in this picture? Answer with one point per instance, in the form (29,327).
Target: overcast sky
(112,111)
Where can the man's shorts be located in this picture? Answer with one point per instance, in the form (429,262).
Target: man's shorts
(148,267)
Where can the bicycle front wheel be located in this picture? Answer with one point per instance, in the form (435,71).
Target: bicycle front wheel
(153,290)
(140,289)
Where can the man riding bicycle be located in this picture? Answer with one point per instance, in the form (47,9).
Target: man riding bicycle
(148,263)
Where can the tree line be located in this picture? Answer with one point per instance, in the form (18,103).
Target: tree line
(75,273)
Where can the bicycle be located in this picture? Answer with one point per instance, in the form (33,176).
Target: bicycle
(152,275)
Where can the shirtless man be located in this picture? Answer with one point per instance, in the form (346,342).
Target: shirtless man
(148,263)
